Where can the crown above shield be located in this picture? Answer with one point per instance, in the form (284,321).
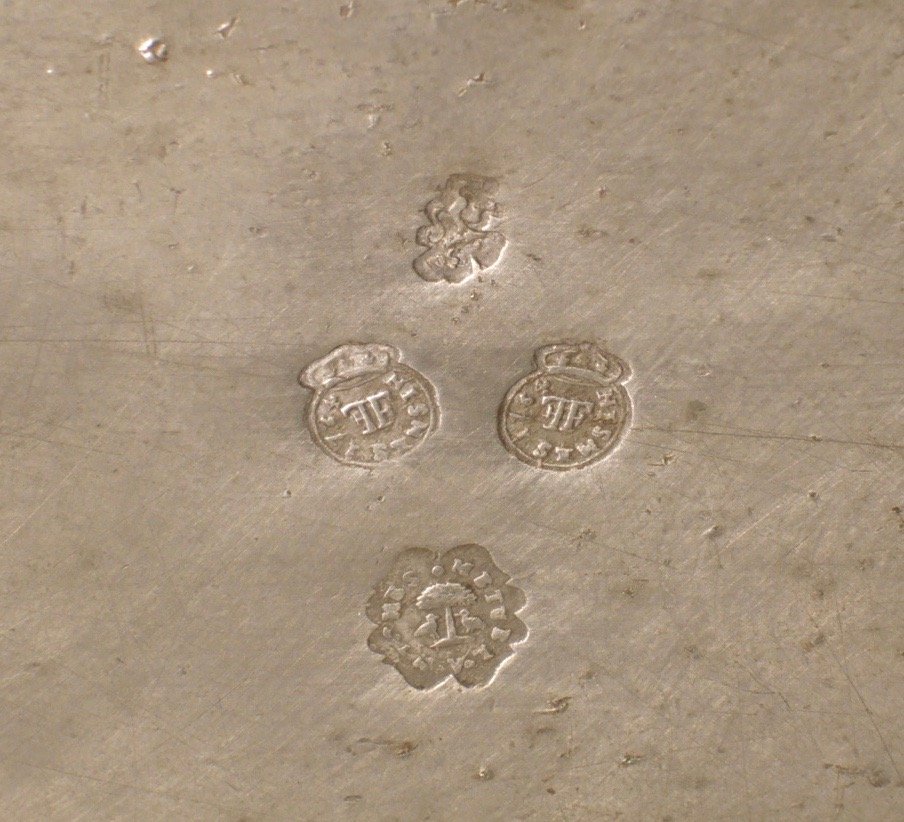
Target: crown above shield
(347,361)
(583,356)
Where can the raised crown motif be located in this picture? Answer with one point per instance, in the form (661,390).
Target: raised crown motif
(583,356)
(347,361)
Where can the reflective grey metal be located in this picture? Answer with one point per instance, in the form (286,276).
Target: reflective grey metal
(201,199)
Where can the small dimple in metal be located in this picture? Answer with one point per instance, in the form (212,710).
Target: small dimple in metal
(153,50)
(225,29)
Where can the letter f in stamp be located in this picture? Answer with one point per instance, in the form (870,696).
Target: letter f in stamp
(569,413)
(367,406)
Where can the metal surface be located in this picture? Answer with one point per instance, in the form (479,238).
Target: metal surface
(201,199)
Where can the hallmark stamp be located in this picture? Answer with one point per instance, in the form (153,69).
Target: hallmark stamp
(449,615)
(570,412)
(367,406)
(460,239)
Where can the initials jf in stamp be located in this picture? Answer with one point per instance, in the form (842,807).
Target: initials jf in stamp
(570,412)
(367,406)
(460,239)
(449,615)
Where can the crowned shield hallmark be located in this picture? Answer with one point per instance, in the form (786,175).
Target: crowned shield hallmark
(449,615)
(367,406)
(569,413)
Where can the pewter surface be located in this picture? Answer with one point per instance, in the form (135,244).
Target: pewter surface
(709,189)
(446,616)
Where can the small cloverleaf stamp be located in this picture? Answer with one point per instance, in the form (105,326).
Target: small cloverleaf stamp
(460,235)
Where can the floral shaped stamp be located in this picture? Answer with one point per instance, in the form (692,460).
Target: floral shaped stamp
(367,406)
(449,615)
(570,412)
(459,240)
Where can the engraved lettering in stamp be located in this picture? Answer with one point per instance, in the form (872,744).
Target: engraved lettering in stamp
(367,406)
(460,239)
(570,412)
(449,615)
